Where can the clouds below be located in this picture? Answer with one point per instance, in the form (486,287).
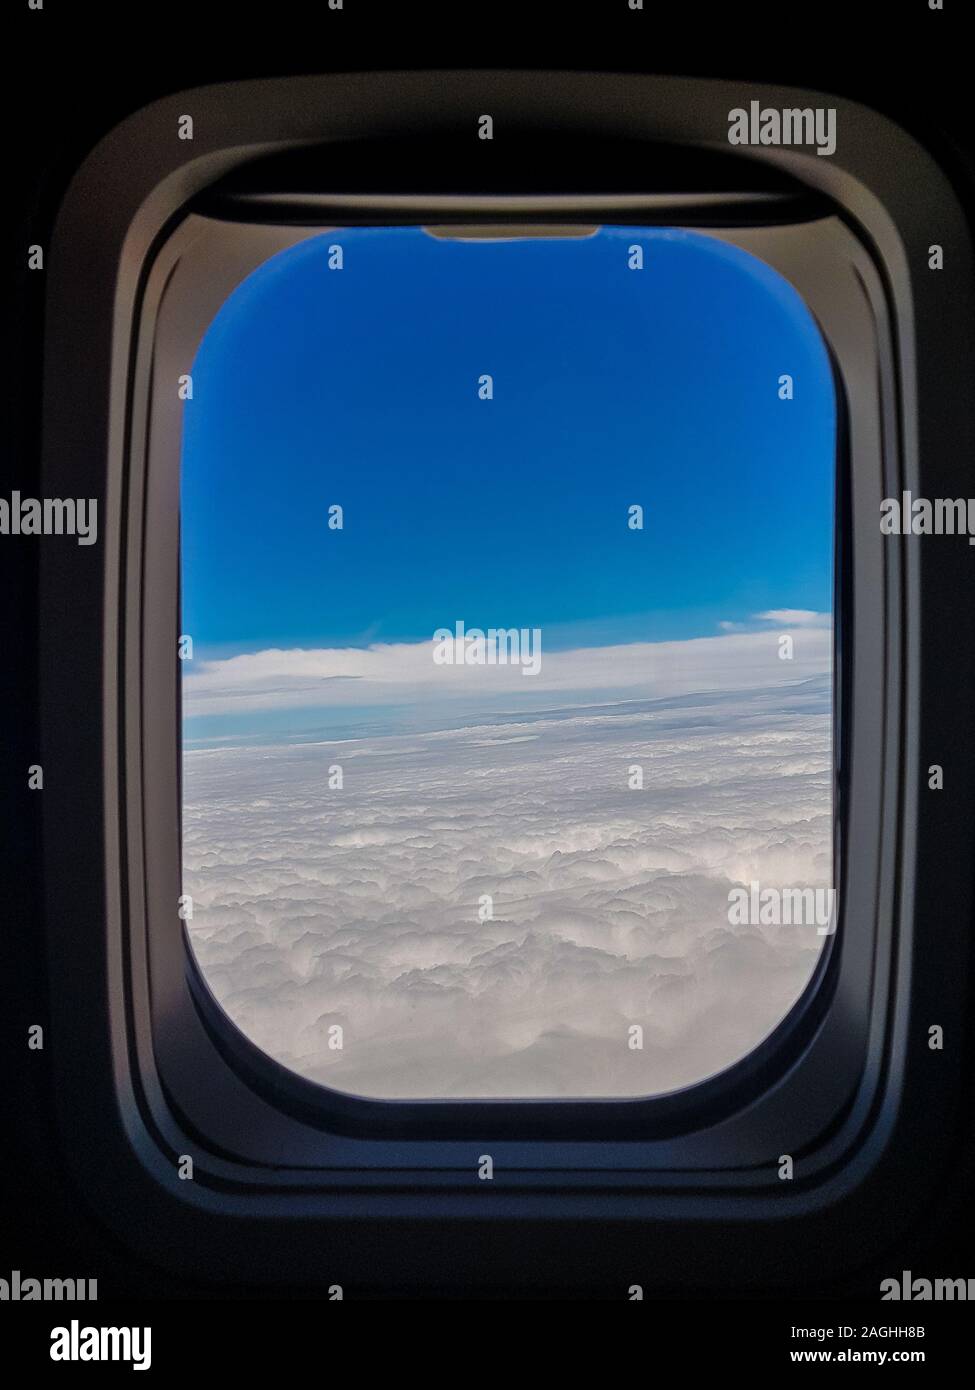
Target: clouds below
(381,674)
(359,906)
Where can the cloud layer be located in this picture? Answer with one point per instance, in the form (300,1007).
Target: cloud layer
(392,673)
(359,907)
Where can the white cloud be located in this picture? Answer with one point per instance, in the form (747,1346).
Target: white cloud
(795,617)
(299,678)
(785,619)
(359,906)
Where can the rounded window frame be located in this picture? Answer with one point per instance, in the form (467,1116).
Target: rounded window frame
(813,1048)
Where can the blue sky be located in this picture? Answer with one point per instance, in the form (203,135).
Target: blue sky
(611,387)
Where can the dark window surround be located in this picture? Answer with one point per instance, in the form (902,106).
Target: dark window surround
(105,1062)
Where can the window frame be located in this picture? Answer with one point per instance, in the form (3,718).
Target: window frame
(194,273)
(112,1061)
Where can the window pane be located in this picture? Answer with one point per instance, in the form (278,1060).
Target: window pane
(507,742)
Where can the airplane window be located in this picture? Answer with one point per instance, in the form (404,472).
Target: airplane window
(507,740)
